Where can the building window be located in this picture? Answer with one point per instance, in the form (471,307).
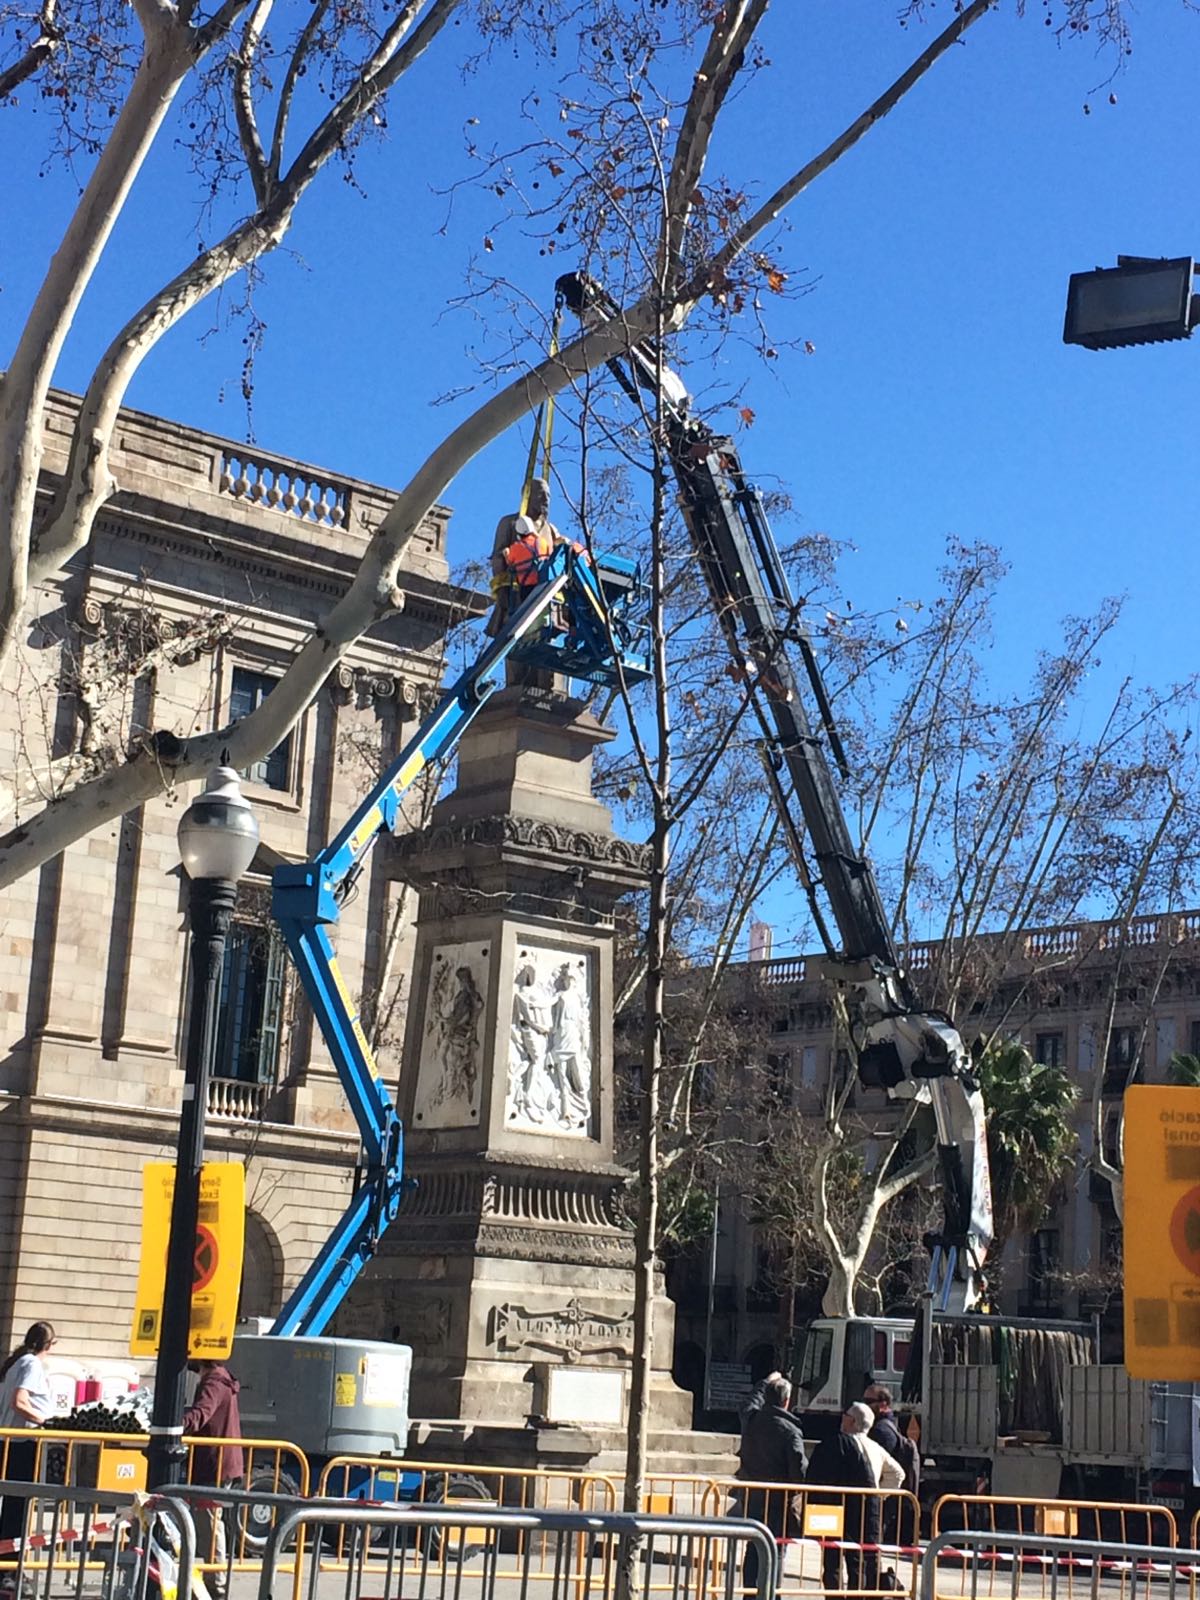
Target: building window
(1194,1036)
(763,1293)
(250,1005)
(779,1080)
(1122,1065)
(1045,1268)
(248,692)
(1050,1049)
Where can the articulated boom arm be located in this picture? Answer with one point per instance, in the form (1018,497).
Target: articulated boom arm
(580,620)
(910,1052)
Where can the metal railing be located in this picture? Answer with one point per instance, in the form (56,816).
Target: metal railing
(482,1552)
(59,1541)
(861,1541)
(117,1461)
(1124,1522)
(980,1565)
(386,1478)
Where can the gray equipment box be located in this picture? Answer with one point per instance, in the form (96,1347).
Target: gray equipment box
(328,1396)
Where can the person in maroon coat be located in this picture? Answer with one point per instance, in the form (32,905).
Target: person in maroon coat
(213,1414)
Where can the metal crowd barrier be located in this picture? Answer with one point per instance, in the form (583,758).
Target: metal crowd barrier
(63,1542)
(978,1563)
(387,1478)
(491,1551)
(117,1461)
(1124,1522)
(856,1541)
(821,1529)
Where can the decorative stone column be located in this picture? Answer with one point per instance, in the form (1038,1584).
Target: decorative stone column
(509,1268)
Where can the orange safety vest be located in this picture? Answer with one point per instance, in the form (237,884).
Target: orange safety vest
(523,554)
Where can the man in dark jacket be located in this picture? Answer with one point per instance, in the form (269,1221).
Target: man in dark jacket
(901,1449)
(213,1414)
(772,1452)
(842,1463)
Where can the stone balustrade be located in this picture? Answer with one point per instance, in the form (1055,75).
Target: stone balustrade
(202,477)
(1077,939)
(282,487)
(234,1101)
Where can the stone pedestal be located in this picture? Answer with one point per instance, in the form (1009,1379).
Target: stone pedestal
(509,1270)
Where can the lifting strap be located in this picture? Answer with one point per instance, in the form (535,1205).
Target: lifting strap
(543,433)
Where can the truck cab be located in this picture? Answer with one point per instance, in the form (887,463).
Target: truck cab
(837,1358)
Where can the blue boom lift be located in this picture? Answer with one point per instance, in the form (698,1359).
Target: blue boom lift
(581,620)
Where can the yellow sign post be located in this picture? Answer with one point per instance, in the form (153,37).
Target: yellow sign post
(217,1270)
(1162,1233)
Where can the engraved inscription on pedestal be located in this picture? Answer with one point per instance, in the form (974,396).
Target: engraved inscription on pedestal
(570,1331)
(550,1044)
(448,1083)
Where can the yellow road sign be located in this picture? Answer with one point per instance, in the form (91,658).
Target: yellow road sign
(1162,1233)
(217,1266)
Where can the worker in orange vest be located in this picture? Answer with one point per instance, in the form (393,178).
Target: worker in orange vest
(519,538)
(522,541)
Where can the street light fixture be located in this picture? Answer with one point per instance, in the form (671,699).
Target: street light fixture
(217,840)
(1139,301)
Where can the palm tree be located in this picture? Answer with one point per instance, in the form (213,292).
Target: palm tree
(1184,1070)
(1032,1142)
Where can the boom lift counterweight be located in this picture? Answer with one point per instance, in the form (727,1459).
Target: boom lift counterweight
(909,1051)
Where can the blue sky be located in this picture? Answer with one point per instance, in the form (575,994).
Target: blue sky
(939,399)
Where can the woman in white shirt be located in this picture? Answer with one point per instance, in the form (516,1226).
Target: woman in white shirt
(25,1402)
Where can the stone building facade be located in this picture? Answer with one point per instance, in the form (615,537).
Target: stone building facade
(1053,993)
(202,577)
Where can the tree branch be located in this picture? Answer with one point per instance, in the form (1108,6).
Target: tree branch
(42,48)
(728,42)
(243,102)
(773,208)
(295,66)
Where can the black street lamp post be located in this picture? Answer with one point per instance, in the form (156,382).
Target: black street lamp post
(217,840)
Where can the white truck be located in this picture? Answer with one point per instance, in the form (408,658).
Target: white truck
(1016,1405)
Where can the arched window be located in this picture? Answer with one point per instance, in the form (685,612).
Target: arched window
(262,1270)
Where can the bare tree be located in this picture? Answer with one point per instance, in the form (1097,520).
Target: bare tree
(683,251)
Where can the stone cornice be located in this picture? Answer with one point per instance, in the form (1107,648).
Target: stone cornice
(427,598)
(499,1159)
(107,1119)
(525,834)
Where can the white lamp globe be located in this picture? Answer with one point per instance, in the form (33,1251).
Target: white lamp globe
(218,833)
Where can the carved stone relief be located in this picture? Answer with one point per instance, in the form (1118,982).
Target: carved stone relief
(550,1044)
(448,1082)
(570,1331)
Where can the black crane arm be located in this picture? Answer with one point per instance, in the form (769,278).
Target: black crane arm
(910,1052)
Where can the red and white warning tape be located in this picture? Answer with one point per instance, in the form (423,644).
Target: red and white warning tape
(42,1541)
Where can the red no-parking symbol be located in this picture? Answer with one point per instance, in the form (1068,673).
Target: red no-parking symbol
(205,1258)
(1185,1231)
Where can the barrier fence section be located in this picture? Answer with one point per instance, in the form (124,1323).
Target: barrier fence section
(490,1551)
(855,1541)
(58,1541)
(117,1461)
(1123,1522)
(387,1478)
(978,1563)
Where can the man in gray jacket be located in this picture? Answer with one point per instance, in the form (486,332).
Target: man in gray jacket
(772,1452)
